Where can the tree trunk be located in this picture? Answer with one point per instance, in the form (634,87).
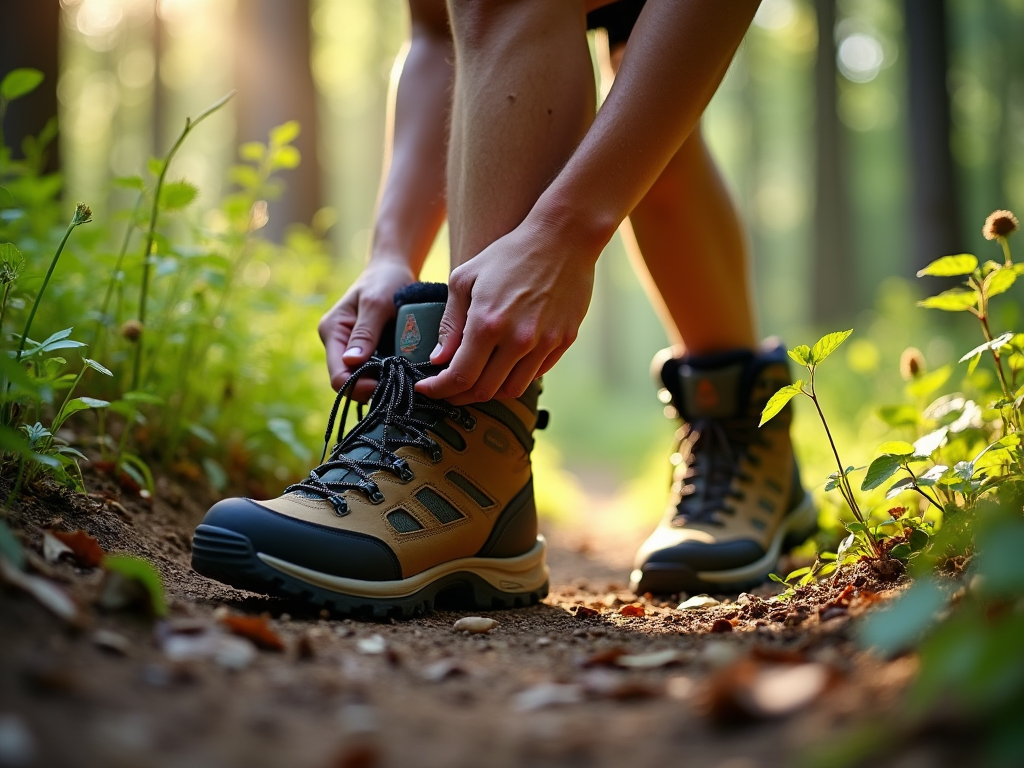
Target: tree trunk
(29,35)
(834,278)
(275,84)
(935,228)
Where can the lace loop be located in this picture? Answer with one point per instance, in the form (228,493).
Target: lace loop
(392,422)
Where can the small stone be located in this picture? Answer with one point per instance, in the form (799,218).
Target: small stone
(745,598)
(547,695)
(474,625)
(698,602)
(112,642)
(373,645)
(652,660)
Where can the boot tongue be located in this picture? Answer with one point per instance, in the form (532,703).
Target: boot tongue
(416,330)
(714,387)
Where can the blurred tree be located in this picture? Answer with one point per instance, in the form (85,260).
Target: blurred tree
(834,279)
(29,35)
(275,84)
(935,228)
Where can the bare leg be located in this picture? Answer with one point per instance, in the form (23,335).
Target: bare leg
(524,97)
(688,247)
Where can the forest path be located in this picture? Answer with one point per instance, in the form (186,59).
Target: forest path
(575,681)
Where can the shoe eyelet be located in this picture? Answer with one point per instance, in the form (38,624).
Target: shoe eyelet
(435,454)
(404,471)
(468,422)
(339,504)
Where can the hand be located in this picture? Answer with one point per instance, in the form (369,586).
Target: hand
(512,312)
(351,329)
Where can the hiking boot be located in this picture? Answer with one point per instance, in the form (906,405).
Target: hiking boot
(737,501)
(420,497)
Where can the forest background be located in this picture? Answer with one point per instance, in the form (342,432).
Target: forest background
(861,138)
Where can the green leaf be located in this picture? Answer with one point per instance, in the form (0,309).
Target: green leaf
(880,470)
(918,539)
(999,281)
(776,578)
(155,166)
(927,445)
(901,625)
(253,151)
(901,485)
(215,474)
(10,547)
(900,552)
(996,343)
(899,415)
(802,354)
(828,344)
(285,133)
(143,398)
(896,448)
(203,433)
(287,157)
(833,480)
(16,374)
(81,404)
(140,571)
(177,194)
(925,385)
(951,266)
(953,300)
(6,199)
(845,544)
(96,366)
(779,399)
(284,430)
(130,461)
(69,451)
(129,182)
(20,82)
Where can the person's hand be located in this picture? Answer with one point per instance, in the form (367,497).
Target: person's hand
(351,329)
(512,312)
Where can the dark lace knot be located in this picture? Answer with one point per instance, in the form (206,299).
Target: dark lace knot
(394,420)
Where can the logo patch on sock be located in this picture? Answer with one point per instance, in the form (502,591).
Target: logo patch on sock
(707,396)
(410,338)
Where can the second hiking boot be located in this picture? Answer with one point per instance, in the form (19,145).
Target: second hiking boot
(419,498)
(737,502)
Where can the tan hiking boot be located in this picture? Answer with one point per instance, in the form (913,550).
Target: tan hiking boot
(419,498)
(737,501)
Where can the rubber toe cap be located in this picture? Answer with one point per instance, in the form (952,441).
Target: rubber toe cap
(317,547)
(704,556)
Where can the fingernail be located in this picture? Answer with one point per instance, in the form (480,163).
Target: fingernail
(437,350)
(353,352)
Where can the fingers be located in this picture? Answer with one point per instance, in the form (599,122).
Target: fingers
(453,321)
(335,328)
(373,314)
(468,362)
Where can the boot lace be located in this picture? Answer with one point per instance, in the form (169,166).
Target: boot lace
(712,451)
(403,418)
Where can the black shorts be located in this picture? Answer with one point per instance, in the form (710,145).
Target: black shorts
(617,18)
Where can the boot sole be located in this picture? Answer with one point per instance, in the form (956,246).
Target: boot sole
(670,578)
(481,582)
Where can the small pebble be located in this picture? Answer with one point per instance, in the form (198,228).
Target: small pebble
(474,625)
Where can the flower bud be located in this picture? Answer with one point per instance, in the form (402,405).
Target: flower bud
(911,363)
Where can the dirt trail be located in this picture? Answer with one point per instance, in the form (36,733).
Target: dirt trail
(573,681)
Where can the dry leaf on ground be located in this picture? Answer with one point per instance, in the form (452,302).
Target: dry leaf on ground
(254,628)
(633,609)
(44,591)
(85,548)
(652,660)
(54,549)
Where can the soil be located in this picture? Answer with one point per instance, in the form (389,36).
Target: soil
(572,681)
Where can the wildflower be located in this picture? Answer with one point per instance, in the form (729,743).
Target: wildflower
(83,214)
(1000,225)
(911,363)
(132,330)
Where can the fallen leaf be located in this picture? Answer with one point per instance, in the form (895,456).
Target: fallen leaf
(698,602)
(254,628)
(48,594)
(474,625)
(633,609)
(546,695)
(604,658)
(85,548)
(652,660)
(54,549)
(373,645)
(111,641)
(582,612)
(748,690)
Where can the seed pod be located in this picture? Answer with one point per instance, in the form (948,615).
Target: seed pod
(132,330)
(474,625)
(1000,224)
